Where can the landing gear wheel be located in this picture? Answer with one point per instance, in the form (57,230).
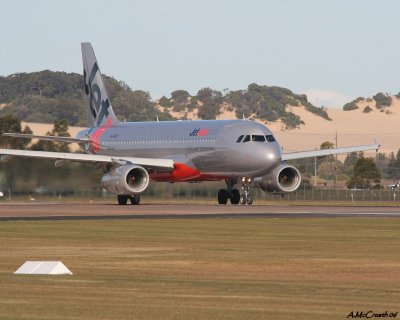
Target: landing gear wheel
(234,196)
(223,196)
(245,195)
(122,199)
(135,199)
(249,199)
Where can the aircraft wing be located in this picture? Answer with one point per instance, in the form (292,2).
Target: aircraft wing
(327,152)
(49,138)
(63,157)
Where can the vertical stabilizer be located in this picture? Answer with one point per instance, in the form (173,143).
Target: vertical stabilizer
(100,111)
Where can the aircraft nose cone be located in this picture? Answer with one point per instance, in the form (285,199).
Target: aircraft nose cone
(273,157)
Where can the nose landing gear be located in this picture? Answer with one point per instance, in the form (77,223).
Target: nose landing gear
(245,196)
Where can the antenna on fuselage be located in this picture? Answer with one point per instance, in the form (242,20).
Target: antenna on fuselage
(244,118)
(157,119)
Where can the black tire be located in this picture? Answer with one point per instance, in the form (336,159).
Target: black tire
(242,199)
(249,199)
(234,196)
(135,199)
(223,196)
(122,199)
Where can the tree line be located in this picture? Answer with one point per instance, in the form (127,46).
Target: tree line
(47,96)
(268,103)
(39,175)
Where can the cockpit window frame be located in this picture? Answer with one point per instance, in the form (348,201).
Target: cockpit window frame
(269,138)
(240,139)
(247,138)
(258,138)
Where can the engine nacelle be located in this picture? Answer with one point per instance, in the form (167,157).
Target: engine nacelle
(283,179)
(127,179)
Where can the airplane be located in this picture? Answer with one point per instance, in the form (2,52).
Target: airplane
(240,152)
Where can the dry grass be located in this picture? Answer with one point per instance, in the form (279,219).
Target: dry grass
(202,269)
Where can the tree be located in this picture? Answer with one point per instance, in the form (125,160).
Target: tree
(367,109)
(328,169)
(60,129)
(393,169)
(327,145)
(164,102)
(17,166)
(365,172)
(205,94)
(12,124)
(180,96)
(350,106)
(211,103)
(382,100)
(350,162)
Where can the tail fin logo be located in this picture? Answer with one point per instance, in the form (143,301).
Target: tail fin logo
(98,107)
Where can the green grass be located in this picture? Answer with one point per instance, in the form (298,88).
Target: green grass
(202,269)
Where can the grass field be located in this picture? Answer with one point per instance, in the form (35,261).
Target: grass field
(202,269)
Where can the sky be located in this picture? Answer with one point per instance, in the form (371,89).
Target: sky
(332,50)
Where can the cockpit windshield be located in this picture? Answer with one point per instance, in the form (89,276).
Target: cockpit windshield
(270,138)
(255,137)
(240,138)
(258,138)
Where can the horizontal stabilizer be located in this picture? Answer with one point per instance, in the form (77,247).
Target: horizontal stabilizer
(48,138)
(327,152)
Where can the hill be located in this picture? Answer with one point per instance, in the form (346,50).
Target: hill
(46,96)
(351,127)
(263,103)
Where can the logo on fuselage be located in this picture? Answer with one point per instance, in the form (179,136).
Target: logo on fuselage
(199,132)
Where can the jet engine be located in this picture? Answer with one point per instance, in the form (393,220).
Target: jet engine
(283,179)
(126,179)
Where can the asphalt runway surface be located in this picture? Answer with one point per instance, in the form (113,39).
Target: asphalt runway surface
(68,211)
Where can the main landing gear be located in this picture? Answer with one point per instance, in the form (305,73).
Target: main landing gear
(236,197)
(133,198)
(224,195)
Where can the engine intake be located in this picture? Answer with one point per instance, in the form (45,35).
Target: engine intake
(127,179)
(283,179)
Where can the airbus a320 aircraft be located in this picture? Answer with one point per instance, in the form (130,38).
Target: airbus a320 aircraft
(241,152)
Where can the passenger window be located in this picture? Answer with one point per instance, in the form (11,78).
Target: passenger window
(270,138)
(240,138)
(258,138)
(246,138)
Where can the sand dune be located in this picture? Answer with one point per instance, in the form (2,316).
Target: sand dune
(352,128)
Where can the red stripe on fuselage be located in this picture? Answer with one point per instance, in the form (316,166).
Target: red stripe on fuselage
(94,139)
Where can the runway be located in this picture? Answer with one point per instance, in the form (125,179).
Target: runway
(68,211)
